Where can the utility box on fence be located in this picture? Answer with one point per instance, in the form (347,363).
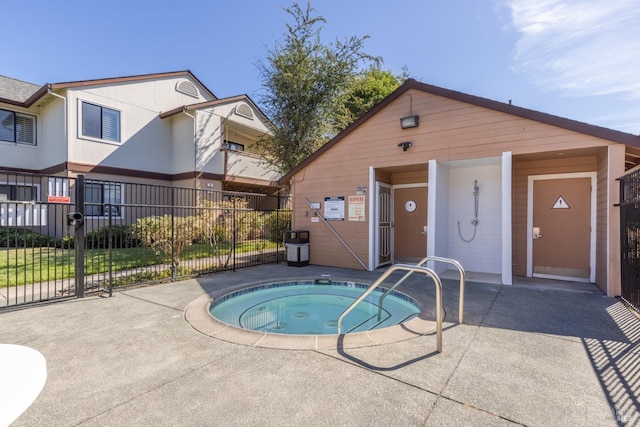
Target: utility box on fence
(297,242)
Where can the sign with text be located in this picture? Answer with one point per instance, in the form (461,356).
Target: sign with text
(59,199)
(356,208)
(334,208)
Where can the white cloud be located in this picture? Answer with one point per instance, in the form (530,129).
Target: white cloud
(578,47)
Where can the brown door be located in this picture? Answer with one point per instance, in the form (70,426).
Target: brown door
(562,228)
(410,220)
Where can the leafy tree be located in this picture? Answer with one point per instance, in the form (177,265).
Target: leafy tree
(302,78)
(366,89)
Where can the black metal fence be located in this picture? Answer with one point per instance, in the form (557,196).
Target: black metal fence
(630,237)
(63,237)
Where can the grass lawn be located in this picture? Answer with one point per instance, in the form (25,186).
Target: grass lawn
(32,265)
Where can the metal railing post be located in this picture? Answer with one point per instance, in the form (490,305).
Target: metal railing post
(110,246)
(409,268)
(79,238)
(174,267)
(422,262)
(234,233)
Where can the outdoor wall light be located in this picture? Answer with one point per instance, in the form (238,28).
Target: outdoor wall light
(405,145)
(409,122)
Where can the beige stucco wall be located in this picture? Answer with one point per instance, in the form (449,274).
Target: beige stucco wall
(23,156)
(145,140)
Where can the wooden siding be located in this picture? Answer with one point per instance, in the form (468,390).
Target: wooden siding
(601,221)
(449,130)
(611,252)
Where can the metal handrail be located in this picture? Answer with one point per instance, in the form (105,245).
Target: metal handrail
(412,269)
(422,262)
(344,243)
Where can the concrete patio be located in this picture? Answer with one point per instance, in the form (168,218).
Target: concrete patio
(535,353)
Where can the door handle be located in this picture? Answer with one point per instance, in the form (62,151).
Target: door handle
(536,233)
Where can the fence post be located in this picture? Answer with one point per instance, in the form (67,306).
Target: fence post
(234,233)
(174,271)
(78,242)
(110,249)
(277,227)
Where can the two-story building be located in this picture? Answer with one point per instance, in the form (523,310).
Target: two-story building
(164,129)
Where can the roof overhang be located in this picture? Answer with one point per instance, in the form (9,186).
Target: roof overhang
(561,122)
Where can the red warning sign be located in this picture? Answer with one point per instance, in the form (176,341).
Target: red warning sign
(59,199)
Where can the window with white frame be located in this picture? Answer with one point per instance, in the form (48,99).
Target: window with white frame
(18,192)
(103,198)
(58,186)
(17,127)
(233,146)
(100,122)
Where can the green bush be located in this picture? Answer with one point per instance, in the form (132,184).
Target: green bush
(67,242)
(123,236)
(12,237)
(277,223)
(168,236)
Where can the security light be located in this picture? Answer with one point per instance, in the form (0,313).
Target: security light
(409,122)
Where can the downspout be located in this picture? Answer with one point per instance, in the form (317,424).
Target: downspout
(66,125)
(195,149)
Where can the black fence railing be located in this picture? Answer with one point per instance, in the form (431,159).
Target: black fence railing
(37,262)
(62,237)
(630,237)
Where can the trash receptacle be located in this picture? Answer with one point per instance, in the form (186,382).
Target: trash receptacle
(297,243)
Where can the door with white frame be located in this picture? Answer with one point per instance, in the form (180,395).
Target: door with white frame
(410,222)
(384,224)
(561,226)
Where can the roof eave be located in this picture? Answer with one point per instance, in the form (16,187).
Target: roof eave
(581,127)
(124,79)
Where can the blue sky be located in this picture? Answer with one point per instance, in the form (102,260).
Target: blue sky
(578,59)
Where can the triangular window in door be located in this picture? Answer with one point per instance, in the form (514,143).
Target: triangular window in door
(560,204)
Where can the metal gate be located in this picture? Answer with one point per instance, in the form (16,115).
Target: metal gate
(630,236)
(36,259)
(66,237)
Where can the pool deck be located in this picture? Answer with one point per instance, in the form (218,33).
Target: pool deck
(537,353)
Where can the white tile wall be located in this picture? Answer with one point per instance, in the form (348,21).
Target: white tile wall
(484,253)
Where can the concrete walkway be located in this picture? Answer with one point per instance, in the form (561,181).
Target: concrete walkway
(550,355)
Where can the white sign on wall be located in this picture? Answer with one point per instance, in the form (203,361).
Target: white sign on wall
(334,208)
(356,208)
(560,204)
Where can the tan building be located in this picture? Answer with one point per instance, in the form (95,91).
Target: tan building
(504,190)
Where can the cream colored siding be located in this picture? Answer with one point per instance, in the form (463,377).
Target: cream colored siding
(52,147)
(182,149)
(145,139)
(23,155)
(209,137)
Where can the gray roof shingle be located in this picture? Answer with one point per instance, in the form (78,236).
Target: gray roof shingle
(16,90)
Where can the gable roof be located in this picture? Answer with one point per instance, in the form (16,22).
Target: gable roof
(38,92)
(561,122)
(222,101)
(15,90)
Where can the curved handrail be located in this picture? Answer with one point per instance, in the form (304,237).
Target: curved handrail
(422,262)
(411,269)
